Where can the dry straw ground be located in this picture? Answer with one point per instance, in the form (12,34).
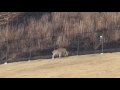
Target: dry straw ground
(83,66)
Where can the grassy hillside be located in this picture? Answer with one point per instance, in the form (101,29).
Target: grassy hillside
(29,34)
(83,66)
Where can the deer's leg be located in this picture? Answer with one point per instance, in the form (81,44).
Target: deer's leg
(53,56)
(59,55)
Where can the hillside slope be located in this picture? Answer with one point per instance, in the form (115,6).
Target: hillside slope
(83,66)
(32,34)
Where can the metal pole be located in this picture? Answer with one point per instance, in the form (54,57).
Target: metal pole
(102,45)
(101,40)
(53,40)
(54,45)
(7,41)
(78,47)
(30,52)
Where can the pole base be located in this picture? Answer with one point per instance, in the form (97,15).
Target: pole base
(5,63)
(29,60)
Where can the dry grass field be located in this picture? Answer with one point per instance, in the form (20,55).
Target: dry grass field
(83,66)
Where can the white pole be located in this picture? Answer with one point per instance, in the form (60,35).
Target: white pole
(101,40)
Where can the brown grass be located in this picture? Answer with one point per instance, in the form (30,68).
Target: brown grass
(83,66)
(19,27)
